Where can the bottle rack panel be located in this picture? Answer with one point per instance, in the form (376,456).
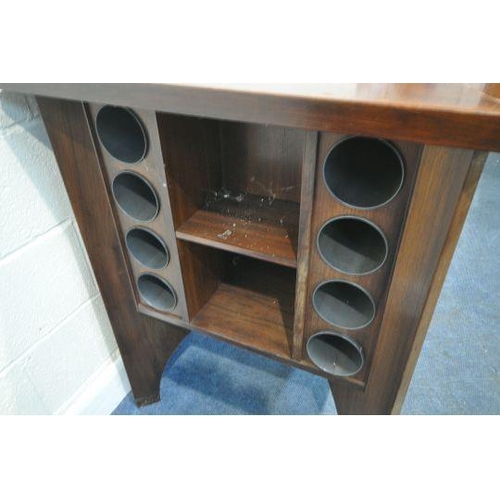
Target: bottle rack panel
(130,154)
(362,190)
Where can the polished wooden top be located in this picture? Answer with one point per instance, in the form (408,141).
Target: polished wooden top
(461,115)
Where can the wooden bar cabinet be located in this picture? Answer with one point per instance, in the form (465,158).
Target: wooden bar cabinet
(310,223)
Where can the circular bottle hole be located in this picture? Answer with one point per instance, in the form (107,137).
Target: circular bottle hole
(363,172)
(352,245)
(135,196)
(148,248)
(121,133)
(344,305)
(335,354)
(156,292)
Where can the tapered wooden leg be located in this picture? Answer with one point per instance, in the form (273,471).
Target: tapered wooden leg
(145,343)
(163,340)
(443,192)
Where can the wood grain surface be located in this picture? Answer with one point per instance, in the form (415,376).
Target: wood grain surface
(152,169)
(252,227)
(145,343)
(389,218)
(253,306)
(439,184)
(460,115)
(469,188)
(265,305)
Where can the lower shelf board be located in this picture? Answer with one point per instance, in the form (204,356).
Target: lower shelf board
(248,318)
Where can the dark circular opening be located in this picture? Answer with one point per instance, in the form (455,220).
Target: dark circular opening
(344,305)
(135,196)
(364,172)
(148,248)
(335,354)
(121,133)
(156,292)
(352,245)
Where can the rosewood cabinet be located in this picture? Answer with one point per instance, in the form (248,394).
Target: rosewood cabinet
(314,226)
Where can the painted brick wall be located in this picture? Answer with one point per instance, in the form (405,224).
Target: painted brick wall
(54,332)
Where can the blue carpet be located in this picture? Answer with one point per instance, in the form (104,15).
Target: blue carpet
(458,371)
(206,376)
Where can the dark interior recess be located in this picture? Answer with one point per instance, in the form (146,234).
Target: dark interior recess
(121,133)
(235,186)
(344,304)
(156,292)
(364,172)
(352,245)
(335,354)
(135,196)
(148,248)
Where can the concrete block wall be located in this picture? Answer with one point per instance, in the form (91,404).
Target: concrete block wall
(55,337)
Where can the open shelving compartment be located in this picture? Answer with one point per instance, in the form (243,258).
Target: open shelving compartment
(235,186)
(251,301)
(235,191)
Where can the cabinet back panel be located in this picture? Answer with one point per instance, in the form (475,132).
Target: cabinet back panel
(191,153)
(262,160)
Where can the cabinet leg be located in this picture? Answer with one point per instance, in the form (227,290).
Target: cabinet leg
(443,193)
(145,343)
(348,400)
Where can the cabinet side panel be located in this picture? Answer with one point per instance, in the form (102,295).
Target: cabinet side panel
(463,206)
(145,344)
(440,181)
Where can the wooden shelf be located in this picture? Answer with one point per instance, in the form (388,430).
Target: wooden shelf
(257,226)
(253,307)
